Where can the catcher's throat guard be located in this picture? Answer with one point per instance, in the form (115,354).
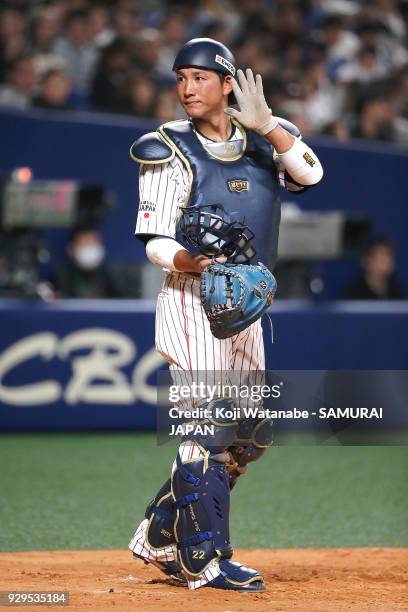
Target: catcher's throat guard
(235,295)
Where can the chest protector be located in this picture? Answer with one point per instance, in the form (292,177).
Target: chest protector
(246,185)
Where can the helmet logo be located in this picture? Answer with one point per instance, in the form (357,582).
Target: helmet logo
(221,60)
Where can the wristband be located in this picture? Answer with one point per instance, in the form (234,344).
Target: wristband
(301,163)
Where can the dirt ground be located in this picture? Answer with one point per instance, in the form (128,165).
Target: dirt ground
(304,579)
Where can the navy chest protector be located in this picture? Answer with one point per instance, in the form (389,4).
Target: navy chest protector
(247,186)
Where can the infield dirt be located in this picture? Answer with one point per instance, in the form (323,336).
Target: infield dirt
(297,579)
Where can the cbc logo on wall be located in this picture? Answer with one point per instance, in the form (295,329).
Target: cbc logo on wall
(96,375)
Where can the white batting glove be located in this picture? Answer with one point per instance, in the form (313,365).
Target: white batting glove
(254,112)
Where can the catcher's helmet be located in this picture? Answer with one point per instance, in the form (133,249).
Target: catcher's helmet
(206,53)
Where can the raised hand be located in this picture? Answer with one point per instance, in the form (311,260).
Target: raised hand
(254,112)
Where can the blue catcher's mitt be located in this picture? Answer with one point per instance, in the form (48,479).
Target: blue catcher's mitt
(235,295)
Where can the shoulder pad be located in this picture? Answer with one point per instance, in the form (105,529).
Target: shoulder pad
(289,127)
(151,149)
(180,126)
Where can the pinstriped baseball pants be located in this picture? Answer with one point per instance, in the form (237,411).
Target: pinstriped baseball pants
(184,338)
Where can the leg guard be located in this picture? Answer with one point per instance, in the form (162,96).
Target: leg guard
(201,488)
(201,491)
(154,541)
(161,515)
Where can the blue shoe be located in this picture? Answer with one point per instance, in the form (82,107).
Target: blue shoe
(237,577)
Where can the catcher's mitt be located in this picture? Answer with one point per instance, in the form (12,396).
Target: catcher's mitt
(235,295)
(211,230)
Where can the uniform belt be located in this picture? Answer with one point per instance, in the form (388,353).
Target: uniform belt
(195,275)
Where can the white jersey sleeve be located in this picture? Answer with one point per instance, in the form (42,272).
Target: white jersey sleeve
(162,190)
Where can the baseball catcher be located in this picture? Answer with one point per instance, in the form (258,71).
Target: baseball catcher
(209,213)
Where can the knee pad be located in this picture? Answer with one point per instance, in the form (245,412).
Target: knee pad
(220,417)
(255,431)
(161,514)
(254,436)
(201,492)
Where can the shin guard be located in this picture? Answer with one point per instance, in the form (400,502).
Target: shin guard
(201,492)
(161,515)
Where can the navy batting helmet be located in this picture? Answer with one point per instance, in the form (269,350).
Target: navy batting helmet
(206,53)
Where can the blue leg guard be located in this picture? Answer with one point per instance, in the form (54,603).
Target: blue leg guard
(158,534)
(201,489)
(201,498)
(161,514)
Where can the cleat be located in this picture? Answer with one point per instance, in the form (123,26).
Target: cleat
(237,577)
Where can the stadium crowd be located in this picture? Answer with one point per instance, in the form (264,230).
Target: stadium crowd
(334,67)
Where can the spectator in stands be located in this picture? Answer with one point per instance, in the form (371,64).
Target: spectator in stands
(322,102)
(338,129)
(54,91)
(321,61)
(111,76)
(79,52)
(18,90)
(377,121)
(127,21)
(13,40)
(147,53)
(341,44)
(365,68)
(377,280)
(173,36)
(400,92)
(45,29)
(386,11)
(86,275)
(101,31)
(390,50)
(167,107)
(140,96)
